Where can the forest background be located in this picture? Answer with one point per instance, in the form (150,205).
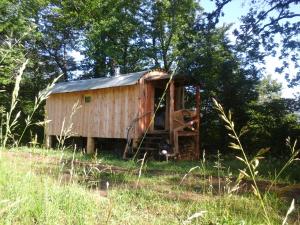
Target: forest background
(228,61)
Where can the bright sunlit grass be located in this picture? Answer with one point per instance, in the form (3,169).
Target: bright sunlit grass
(37,188)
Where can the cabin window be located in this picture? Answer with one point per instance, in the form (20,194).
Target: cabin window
(87,99)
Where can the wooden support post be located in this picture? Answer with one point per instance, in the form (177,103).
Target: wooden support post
(90,146)
(49,141)
(197,147)
(171,112)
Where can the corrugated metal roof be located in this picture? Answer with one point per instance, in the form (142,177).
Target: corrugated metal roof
(98,83)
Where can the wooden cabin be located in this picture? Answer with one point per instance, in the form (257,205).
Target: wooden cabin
(144,108)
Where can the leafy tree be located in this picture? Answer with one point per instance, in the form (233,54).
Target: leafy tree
(17,42)
(13,30)
(167,21)
(146,34)
(271,27)
(271,118)
(112,36)
(57,39)
(268,90)
(269,125)
(206,54)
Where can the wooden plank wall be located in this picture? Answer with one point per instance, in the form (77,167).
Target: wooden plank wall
(146,103)
(179,98)
(108,115)
(146,106)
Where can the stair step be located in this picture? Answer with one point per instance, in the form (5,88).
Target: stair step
(150,144)
(163,134)
(157,135)
(150,141)
(148,149)
(153,138)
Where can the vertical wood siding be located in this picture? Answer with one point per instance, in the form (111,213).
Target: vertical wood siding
(108,115)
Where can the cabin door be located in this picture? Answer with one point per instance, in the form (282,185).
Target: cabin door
(160,108)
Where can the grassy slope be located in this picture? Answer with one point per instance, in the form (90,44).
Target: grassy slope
(39,189)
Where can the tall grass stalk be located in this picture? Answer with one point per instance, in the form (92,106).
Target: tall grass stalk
(65,133)
(292,158)
(110,207)
(204,169)
(11,122)
(66,130)
(218,165)
(290,210)
(11,44)
(42,96)
(251,165)
(185,175)
(72,171)
(2,114)
(140,170)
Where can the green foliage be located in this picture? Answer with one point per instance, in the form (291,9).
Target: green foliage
(209,58)
(113,36)
(271,119)
(169,22)
(271,28)
(16,31)
(268,90)
(145,34)
(58,36)
(270,124)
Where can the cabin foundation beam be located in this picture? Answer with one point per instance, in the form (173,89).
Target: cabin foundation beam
(49,141)
(90,146)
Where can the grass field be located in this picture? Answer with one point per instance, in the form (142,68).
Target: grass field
(39,186)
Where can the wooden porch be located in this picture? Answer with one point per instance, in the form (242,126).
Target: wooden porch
(184,125)
(170,125)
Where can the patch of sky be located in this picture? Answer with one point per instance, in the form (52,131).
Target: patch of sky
(233,12)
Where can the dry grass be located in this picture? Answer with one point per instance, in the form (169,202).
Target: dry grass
(73,196)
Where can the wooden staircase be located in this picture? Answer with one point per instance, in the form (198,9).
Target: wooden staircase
(152,144)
